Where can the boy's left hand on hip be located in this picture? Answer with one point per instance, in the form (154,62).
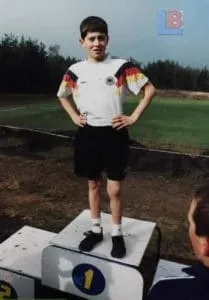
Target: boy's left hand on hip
(122,121)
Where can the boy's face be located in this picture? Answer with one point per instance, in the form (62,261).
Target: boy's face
(95,43)
(199,244)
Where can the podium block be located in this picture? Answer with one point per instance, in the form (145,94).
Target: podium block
(35,263)
(20,264)
(96,273)
(168,269)
(86,276)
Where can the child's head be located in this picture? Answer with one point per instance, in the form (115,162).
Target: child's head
(94,37)
(198,217)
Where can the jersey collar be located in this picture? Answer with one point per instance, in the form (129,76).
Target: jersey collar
(106,59)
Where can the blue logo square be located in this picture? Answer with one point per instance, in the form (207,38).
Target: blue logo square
(170,22)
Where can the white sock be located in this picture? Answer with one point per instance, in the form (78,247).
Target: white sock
(96,225)
(116,229)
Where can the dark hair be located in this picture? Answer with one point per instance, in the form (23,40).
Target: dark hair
(201,213)
(93,24)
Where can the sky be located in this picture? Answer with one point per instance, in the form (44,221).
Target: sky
(132,27)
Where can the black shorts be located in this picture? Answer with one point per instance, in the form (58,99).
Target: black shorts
(99,149)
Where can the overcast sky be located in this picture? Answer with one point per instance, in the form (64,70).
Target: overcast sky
(132,27)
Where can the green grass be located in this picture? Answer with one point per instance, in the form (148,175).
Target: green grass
(169,123)
(176,124)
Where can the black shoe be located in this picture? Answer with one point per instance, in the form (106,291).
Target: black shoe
(118,246)
(90,241)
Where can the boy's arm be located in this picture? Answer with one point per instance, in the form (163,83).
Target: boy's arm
(64,94)
(123,121)
(78,119)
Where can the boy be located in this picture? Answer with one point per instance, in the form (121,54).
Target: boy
(196,285)
(98,85)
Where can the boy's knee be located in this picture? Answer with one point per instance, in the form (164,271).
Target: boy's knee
(113,188)
(94,185)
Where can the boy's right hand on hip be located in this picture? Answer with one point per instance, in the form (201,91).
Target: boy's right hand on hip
(80,120)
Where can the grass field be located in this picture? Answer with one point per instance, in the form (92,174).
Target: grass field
(169,123)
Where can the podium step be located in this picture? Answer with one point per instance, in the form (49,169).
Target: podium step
(168,269)
(22,251)
(32,260)
(137,235)
(21,264)
(89,277)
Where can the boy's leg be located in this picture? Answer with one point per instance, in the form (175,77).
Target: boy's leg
(94,197)
(114,193)
(116,206)
(94,204)
(95,235)
(117,152)
(88,164)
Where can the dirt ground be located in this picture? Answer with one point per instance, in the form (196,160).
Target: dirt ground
(41,190)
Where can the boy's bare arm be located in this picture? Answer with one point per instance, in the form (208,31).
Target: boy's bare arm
(78,119)
(149,92)
(123,121)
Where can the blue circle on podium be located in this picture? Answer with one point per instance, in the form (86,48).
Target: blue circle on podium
(88,279)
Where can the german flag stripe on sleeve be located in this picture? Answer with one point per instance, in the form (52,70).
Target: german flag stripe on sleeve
(120,75)
(69,80)
(68,84)
(130,74)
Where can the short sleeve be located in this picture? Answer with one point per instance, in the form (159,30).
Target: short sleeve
(67,85)
(135,79)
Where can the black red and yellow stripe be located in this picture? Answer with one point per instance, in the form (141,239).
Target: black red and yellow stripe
(128,72)
(69,80)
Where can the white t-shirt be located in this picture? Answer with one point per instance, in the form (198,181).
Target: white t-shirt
(99,89)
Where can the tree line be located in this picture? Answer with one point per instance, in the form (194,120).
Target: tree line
(27,66)
(171,75)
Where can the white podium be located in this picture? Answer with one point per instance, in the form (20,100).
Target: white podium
(169,270)
(96,274)
(36,263)
(20,264)
(170,277)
